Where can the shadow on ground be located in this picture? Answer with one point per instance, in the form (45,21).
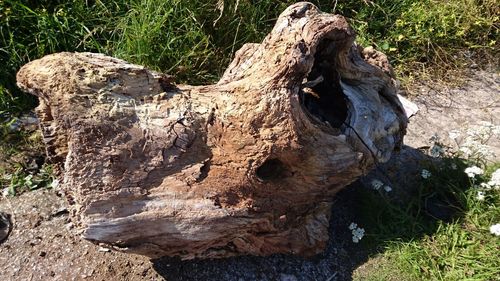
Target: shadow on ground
(342,256)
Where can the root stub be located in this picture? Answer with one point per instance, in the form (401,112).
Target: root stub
(245,166)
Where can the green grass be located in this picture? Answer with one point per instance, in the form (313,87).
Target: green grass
(418,240)
(21,162)
(429,33)
(189,40)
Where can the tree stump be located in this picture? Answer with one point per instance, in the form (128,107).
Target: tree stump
(246,166)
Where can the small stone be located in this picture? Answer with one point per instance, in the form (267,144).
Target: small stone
(55,184)
(102,249)
(42,254)
(61,211)
(69,226)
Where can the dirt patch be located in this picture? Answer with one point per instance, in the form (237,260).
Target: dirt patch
(460,117)
(44,246)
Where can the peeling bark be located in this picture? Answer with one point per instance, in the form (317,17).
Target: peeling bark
(246,166)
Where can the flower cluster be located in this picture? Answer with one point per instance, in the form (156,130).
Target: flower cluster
(475,139)
(357,232)
(473,171)
(495,229)
(426,174)
(377,184)
(436,150)
(494,182)
(483,131)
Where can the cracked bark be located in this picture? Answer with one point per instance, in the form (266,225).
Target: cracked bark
(245,166)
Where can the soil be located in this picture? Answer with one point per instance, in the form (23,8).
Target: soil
(43,245)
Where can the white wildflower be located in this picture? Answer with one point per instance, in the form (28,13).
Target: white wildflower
(496,130)
(495,180)
(357,232)
(426,174)
(480,196)
(387,188)
(454,166)
(485,185)
(473,171)
(482,132)
(466,150)
(436,150)
(475,148)
(493,185)
(454,134)
(495,229)
(475,142)
(5,192)
(484,150)
(376,184)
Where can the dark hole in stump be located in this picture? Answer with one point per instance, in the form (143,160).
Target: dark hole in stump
(5,226)
(271,169)
(322,95)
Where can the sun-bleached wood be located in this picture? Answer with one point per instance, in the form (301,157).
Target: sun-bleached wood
(248,165)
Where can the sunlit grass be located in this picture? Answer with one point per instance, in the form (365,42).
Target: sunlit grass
(195,40)
(422,240)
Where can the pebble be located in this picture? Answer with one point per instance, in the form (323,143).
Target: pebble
(69,226)
(102,249)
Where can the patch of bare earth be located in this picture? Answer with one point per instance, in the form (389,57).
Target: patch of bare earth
(42,246)
(463,111)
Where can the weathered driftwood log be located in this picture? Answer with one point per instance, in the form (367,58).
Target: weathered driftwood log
(246,166)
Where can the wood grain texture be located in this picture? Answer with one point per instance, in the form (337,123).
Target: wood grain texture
(246,166)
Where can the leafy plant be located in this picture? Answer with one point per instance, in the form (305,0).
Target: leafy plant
(20,180)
